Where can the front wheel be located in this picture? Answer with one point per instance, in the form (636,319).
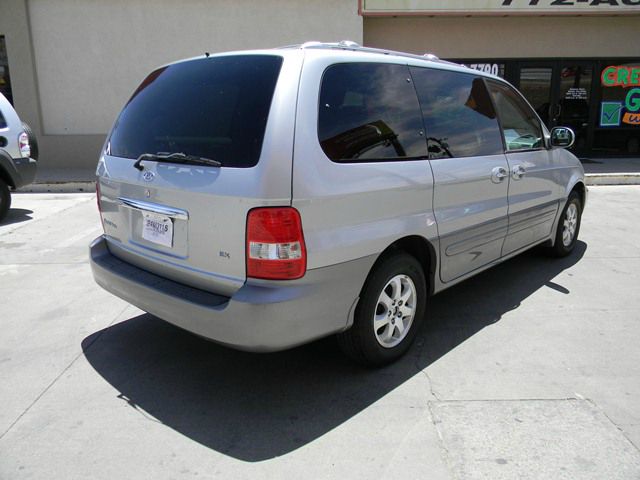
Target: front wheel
(568,227)
(388,316)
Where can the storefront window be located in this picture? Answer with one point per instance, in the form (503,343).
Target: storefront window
(618,123)
(5,83)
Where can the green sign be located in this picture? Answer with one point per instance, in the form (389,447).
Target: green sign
(610,114)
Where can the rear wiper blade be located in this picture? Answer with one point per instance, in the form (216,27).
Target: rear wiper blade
(177,157)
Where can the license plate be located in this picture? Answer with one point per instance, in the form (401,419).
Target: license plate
(157,229)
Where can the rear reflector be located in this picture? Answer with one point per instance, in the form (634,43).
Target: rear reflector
(275,244)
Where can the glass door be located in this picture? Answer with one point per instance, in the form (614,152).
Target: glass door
(560,92)
(574,100)
(536,82)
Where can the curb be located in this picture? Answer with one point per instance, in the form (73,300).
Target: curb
(59,187)
(592,179)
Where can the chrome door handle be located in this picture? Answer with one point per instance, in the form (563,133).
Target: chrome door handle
(498,174)
(518,172)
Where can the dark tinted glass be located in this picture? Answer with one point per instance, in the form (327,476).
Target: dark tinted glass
(520,125)
(458,114)
(369,112)
(212,107)
(3,122)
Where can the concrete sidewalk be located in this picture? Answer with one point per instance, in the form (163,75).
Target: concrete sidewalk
(599,171)
(612,171)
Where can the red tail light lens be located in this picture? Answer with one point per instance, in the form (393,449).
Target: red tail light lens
(275,244)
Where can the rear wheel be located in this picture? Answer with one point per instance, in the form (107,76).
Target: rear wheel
(5,199)
(568,227)
(388,316)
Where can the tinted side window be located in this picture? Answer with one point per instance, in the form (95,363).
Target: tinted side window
(3,122)
(520,126)
(211,107)
(369,112)
(458,114)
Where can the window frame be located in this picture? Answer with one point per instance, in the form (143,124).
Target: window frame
(545,141)
(475,75)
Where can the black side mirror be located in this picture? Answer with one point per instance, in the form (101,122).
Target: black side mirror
(562,137)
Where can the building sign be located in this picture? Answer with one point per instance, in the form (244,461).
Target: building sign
(498,7)
(492,68)
(610,114)
(626,77)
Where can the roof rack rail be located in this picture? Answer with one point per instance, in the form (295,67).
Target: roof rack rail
(351,45)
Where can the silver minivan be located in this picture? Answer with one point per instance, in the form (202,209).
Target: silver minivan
(264,199)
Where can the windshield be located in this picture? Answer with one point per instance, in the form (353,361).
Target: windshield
(215,108)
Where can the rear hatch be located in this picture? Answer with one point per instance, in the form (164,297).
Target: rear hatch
(173,213)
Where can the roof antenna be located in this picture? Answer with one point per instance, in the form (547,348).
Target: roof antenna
(206,54)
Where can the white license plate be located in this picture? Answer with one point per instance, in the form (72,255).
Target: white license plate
(157,229)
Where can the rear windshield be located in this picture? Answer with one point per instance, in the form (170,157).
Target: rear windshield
(211,107)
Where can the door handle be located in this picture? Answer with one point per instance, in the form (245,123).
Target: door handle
(518,172)
(498,174)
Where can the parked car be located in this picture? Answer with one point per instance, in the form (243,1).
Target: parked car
(264,199)
(18,154)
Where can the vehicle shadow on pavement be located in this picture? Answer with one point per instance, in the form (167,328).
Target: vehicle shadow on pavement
(254,407)
(17,215)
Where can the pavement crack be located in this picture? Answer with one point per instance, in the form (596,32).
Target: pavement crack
(64,370)
(624,434)
(423,371)
(444,451)
(137,408)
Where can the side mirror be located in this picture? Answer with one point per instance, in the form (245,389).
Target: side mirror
(562,137)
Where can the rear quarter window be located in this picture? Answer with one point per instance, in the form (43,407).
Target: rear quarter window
(213,107)
(369,112)
(458,114)
(3,122)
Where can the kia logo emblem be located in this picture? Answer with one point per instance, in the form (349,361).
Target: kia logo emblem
(148,176)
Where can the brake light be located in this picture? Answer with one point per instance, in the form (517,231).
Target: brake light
(275,244)
(23,143)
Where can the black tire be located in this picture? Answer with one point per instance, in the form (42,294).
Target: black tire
(559,248)
(33,141)
(5,199)
(361,342)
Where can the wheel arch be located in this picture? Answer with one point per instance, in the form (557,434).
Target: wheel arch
(580,188)
(418,247)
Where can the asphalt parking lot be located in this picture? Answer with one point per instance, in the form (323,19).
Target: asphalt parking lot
(529,370)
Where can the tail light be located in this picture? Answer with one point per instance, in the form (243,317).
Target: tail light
(275,244)
(23,143)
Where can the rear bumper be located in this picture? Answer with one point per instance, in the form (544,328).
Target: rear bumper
(259,318)
(26,171)
(21,171)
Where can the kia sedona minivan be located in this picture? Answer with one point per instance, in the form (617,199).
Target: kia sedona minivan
(265,199)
